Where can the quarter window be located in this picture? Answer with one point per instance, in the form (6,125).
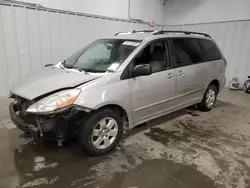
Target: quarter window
(210,50)
(187,51)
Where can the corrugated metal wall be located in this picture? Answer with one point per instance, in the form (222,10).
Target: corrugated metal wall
(31,38)
(233,37)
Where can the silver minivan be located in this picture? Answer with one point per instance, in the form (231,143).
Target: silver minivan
(117,83)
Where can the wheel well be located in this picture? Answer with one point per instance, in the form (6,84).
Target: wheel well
(121,111)
(216,83)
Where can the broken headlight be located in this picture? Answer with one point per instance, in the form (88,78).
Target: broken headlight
(55,101)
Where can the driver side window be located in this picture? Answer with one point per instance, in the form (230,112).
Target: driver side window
(153,54)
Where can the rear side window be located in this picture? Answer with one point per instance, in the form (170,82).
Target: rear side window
(187,51)
(210,49)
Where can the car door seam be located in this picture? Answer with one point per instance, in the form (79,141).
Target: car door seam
(154,104)
(188,93)
(148,118)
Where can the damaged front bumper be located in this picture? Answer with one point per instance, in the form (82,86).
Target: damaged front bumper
(20,123)
(54,126)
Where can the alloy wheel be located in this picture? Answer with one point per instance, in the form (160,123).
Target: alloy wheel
(210,99)
(104,133)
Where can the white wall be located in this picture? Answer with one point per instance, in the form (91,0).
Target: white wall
(200,11)
(31,38)
(140,9)
(233,37)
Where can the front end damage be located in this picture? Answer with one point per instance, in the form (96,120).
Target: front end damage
(56,126)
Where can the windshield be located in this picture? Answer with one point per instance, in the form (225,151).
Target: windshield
(104,55)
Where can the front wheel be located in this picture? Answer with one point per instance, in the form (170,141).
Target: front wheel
(209,98)
(101,132)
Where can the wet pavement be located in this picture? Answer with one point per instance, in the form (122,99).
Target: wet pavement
(188,148)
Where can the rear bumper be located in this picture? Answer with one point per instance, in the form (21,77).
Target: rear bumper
(222,83)
(20,123)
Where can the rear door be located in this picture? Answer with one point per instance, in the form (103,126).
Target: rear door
(187,55)
(214,66)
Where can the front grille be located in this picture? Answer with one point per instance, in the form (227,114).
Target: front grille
(22,104)
(46,123)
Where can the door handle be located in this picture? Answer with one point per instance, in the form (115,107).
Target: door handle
(180,73)
(170,75)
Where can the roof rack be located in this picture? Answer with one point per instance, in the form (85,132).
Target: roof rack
(134,31)
(160,32)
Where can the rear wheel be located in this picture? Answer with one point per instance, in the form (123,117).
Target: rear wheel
(209,98)
(246,86)
(101,132)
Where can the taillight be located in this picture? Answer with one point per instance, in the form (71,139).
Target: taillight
(225,61)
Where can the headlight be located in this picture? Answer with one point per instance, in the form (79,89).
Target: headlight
(55,101)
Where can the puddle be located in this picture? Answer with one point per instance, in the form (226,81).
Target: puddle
(183,131)
(161,173)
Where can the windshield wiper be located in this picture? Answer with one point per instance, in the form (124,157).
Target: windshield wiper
(81,70)
(62,65)
(92,70)
(110,70)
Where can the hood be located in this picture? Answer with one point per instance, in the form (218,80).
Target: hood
(48,80)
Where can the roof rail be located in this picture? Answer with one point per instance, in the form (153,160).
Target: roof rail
(160,32)
(134,31)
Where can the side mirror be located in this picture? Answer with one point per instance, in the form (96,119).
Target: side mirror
(142,70)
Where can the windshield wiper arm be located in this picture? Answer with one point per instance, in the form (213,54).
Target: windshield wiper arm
(80,70)
(92,70)
(62,65)
(110,70)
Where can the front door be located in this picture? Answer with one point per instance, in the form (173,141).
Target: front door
(154,94)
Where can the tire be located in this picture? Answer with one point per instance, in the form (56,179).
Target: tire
(246,86)
(93,125)
(207,106)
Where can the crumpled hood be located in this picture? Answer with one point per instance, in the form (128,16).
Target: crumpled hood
(47,80)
